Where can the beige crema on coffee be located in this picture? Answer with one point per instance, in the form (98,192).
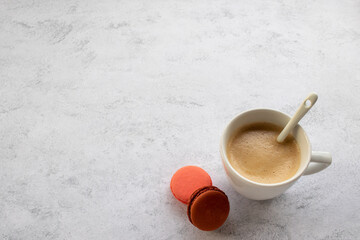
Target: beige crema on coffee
(254,153)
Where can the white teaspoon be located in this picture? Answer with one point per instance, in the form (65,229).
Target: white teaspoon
(300,113)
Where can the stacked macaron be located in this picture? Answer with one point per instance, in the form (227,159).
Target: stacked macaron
(208,206)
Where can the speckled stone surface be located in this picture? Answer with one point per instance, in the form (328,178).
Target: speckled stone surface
(102,101)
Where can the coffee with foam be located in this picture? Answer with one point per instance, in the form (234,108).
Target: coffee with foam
(256,155)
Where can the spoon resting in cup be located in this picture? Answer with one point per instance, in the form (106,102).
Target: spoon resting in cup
(300,113)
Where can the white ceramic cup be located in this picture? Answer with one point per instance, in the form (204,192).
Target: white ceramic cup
(311,162)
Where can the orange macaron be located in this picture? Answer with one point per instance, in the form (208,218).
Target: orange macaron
(187,180)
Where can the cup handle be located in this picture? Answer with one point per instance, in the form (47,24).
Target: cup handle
(319,161)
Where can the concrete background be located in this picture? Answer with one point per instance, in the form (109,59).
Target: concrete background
(102,101)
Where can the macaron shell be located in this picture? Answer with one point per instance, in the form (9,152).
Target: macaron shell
(186,180)
(209,208)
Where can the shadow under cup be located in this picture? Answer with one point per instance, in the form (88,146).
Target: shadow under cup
(247,187)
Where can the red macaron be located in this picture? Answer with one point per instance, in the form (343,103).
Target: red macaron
(208,208)
(187,180)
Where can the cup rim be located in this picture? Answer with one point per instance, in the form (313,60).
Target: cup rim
(224,156)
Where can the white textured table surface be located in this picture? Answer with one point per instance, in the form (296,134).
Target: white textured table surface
(102,101)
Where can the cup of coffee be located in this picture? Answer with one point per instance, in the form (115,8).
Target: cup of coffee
(257,166)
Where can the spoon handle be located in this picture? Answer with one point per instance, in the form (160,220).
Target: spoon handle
(302,110)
